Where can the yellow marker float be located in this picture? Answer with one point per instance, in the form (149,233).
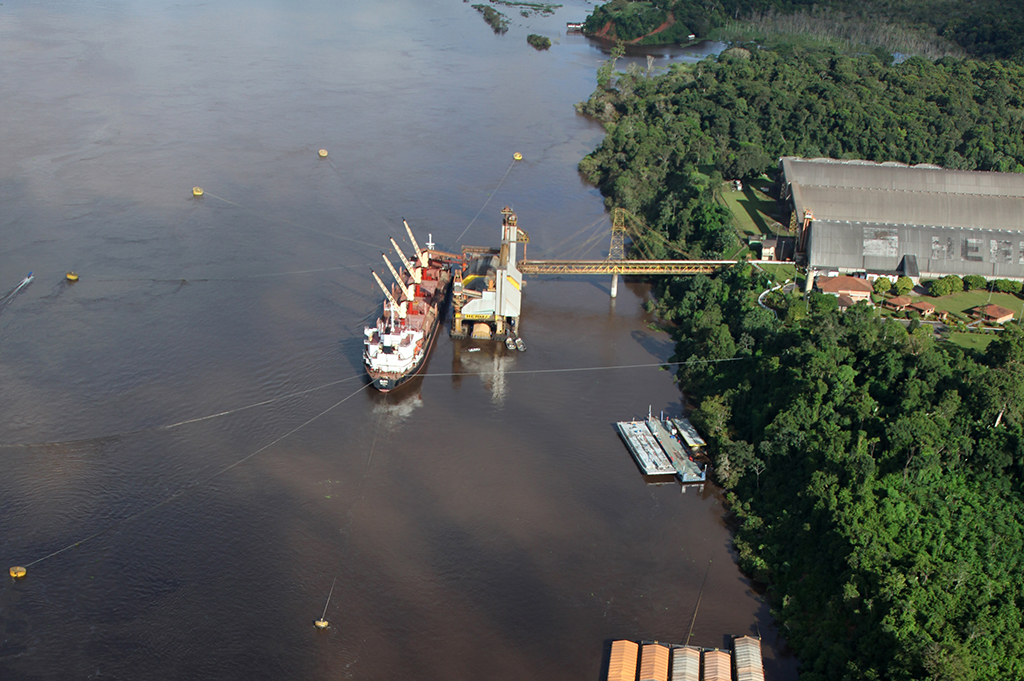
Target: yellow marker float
(197,191)
(517,156)
(323,153)
(18,572)
(72,276)
(320,624)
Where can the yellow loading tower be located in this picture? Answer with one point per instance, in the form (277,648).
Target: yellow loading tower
(487,292)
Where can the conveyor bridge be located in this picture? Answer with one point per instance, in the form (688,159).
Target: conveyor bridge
(622,266)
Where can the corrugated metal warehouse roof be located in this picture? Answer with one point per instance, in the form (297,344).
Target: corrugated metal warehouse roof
(912,208)
(869,216)
(865,246)
(897,177)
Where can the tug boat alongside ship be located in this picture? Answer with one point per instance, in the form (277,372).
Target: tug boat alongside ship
(397,347)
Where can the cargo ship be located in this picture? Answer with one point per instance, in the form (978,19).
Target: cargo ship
(397,347)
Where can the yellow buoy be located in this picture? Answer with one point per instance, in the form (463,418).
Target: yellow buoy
(320,624)
(197,191)
(517,156)
(18,572)
(323,153)
(72,276)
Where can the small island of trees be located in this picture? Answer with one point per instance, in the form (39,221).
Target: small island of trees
(538,42)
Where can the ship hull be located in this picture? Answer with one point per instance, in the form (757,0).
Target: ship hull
(388,382)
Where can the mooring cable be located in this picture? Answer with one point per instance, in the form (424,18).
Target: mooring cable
(599,368)
(169,426)
(190,280)
(358,196)
(328,599)
(290,222)
(694,620)
(351,378)
(489,197)
(197,485)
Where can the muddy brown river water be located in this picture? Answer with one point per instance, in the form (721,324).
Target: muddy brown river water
(484,522)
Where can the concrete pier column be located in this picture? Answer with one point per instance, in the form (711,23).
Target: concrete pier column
(615,284)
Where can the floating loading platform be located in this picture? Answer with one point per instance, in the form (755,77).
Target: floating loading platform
(681,459)
(645,448)
(657,448)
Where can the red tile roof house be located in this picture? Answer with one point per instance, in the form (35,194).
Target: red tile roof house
(994,314)
(899,303)
(926,309)
(856,289)
(845,302)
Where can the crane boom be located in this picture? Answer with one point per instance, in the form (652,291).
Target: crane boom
(421,254)
(410,264)
(406,290)
(391,298)
(398,249)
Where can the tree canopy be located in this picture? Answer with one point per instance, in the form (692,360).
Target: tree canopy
(983,28)
(876,475)
(672,138)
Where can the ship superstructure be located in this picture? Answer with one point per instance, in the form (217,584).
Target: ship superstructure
(397,346)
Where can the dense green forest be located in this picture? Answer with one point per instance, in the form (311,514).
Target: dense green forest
(983,28)
(875,474)
(673,137)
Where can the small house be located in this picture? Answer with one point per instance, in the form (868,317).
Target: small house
(926,309)
(768,249)
(993,314)
(897,303)
(856,289)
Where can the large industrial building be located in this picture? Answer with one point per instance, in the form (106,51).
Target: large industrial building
(921,221)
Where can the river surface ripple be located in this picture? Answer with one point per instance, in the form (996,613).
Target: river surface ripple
(486,524)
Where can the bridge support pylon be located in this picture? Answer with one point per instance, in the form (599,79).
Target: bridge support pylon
(617,249)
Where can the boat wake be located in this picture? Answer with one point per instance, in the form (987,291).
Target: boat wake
(6,300)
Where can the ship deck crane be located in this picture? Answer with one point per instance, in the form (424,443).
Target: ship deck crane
(395,305)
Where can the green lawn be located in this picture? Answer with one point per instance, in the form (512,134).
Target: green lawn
(737,252)
(752,209)
(780,272)
(972,341)
(961,303)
